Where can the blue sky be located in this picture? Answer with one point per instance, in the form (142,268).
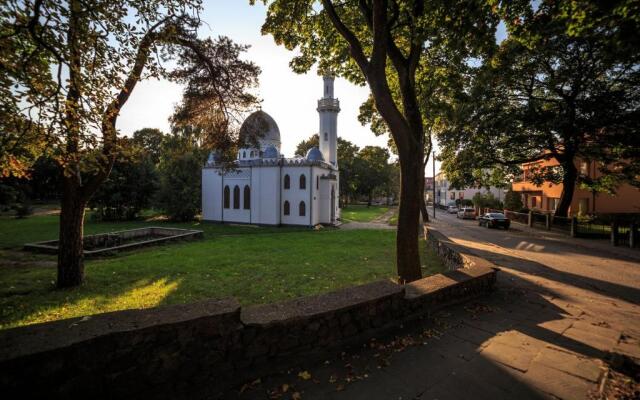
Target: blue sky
(288,97)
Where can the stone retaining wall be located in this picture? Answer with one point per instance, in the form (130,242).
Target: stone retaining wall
(196,350)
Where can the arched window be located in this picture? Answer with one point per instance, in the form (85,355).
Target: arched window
(303,181)
(236,197)
(247,197)
(287,182)
(226,196)
(326,136)
(251,155)
(286,208)
(244,154)
(303,209)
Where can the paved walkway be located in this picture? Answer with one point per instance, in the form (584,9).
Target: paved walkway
(562,316)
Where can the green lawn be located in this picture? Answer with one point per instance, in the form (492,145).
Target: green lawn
(255,265)
(362,213)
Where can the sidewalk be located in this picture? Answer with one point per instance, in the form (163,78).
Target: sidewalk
(599,244)
(545,333)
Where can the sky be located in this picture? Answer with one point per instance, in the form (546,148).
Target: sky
(290,98)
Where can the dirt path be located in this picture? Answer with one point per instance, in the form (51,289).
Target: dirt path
(379,222)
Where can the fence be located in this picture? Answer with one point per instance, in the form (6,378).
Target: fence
(517,217)
(620,229)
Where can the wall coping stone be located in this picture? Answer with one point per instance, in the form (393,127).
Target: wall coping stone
(47,336)
(318,305)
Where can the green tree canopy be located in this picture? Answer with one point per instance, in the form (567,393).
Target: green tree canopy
(385,43)
(564,85)
(69,67)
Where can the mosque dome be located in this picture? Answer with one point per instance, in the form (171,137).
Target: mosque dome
(270,152)
(259,126)
(314,154)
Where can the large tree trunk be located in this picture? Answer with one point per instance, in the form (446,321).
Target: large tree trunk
(70,246)
(407,250)
(569,178)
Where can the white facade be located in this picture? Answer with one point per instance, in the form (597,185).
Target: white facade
(447,195)
(264,188)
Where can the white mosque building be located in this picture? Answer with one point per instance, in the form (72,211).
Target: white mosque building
(264,187)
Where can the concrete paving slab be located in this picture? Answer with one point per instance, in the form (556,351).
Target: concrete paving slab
(582,367)
(515,357)
(557,383)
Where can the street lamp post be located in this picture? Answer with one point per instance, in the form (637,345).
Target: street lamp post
(434,185)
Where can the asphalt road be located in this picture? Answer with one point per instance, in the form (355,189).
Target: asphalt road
(603,271)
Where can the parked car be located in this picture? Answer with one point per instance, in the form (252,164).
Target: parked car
(466,212)
(452,209)
(494,220)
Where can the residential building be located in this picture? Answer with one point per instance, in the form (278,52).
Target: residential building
(447,194)
(428,188)
(546,197)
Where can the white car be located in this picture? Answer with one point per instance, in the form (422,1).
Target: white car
(466,212)
(452,209)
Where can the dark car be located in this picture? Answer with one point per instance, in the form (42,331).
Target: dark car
(494,220)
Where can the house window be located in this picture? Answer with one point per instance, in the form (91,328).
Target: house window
(227,194)
(236,197)
(303,181)
(302,209)
(461,195)
(244,154)
(453,196)
(286,208)
(326,137)
(247,197)
(533,201)
(552,203)
(287,182)
(317,182)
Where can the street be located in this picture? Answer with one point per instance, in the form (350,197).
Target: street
(564,318)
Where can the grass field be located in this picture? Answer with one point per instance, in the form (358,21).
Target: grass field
(362,213)
(255,265)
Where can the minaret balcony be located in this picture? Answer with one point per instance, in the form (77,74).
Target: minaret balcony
(328,105)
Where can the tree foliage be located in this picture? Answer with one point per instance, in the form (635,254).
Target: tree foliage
(69,67)
(378,42)
(564,85)
(130,187)
(179,193)
(372,171)
(513,201)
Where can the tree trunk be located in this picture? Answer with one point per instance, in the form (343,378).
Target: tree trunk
(70,246)
(407,250)
(569,177)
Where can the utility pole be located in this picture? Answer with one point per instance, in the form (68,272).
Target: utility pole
(434,185)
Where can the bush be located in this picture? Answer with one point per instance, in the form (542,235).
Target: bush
(130,188)
(486,200)
(179,192)
(23,209)
(513,201)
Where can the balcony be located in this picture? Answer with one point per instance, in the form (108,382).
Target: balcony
(329,104)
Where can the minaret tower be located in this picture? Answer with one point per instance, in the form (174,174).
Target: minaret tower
(328,108)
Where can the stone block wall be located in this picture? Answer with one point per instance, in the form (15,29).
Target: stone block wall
(196,350)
